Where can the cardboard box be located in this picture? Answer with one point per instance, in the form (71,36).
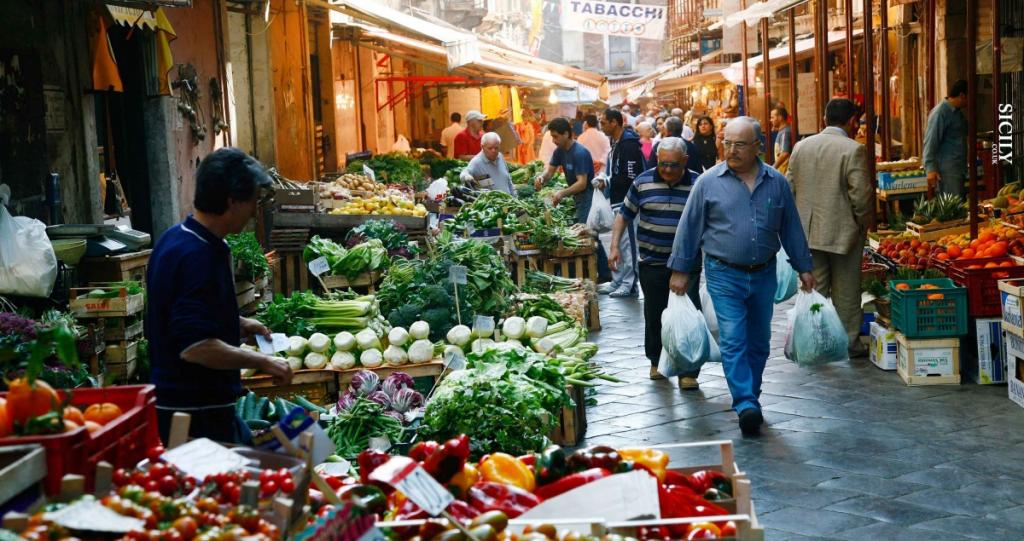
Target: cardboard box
(883,348)
(1011,293)
(1015,367)
(986,363)
(928,362)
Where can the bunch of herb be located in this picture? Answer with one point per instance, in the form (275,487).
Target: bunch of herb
(250,261)
(440,168)
(388,232)
(490,207)
(368,256)
(393,167)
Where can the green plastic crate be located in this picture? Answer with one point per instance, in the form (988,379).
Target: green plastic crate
(916,316)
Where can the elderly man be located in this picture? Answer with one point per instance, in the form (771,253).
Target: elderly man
(945,143)
(488,170)
(653,205)
(738,213)
(829,175)
(467,142)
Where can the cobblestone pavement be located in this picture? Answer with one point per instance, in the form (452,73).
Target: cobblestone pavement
(847,452)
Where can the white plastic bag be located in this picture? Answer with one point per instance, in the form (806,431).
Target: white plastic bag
(28,266)
(686,342)
(815,334)
(401,145)
(708,308)
(785,277)
(601,218)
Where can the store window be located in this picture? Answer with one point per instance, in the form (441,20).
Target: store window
(620,54)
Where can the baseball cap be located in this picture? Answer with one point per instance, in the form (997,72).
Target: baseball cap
(475,115)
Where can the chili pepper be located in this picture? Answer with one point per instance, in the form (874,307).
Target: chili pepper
(365,498)
(509,499)
(570,482)
(550,465)
(422,450)
(507,469)
(654,460)
(370,460)
(448,459)
(597,456)
(460,482)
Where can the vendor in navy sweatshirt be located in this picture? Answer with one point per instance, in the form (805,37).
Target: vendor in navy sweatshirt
(192,320)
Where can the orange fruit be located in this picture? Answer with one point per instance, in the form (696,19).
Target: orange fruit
(975,243)
(902,286)
(967,253)
(954,251)
(70,425)
(942,256)
(92,426)
(936,296)
(74,415)
(973,267)
(102,413)
(1006,264)
(986,236)
(991,264)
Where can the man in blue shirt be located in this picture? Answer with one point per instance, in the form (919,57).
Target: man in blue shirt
(945,143)
(192,319)
(738,212)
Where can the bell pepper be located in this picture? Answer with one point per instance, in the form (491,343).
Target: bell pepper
(448,459)
(422,450)
(597,456)
(460,482)
(702,480)
(678,501)
(508,470)
(370,460)
(653,460)
(458,509)
(509,499)
(570,482)
(550,465)
(529,459)
(366,498)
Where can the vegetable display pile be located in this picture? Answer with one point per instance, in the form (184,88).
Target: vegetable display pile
(490,207)
(373,408)
(261,412)
(305,313)
(391,204)
(392,167)
(39,349)
(369,256)
(389,233)
(251,263)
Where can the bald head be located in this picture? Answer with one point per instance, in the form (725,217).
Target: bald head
(742,141)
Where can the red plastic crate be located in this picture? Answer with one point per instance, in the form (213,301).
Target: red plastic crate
(122,442)
(983,284)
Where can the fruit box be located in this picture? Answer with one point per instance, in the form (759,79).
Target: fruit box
(985,363)
(928,362)
(1015,367)
(883,348)
(1010,294)
(122,442)
(982,282)
(938,312)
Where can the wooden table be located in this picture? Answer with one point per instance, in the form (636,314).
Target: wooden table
(886,200)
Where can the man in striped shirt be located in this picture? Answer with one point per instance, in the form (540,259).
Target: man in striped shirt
(655,202)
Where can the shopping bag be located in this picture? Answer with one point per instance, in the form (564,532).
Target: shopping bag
(401,145)
(785,277)
(815,334)
(686,343)
(708,309)
(601,218)
(28,266)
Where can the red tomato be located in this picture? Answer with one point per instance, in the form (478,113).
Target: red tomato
(152,486)
(158,470)
(282,473)
(287,485)
(186,526)
(153,453)
(139,478)
(121,477)
(267,475)
(168,485)
(269,487)
(728,529)
(170,534)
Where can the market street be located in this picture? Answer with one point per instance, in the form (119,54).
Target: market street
(847,452)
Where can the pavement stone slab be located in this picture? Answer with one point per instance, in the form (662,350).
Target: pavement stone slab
(814,523)
(887,510)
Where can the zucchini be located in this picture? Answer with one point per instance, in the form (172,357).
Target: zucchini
(305,404)
(248,405)
(239,406)
(271,411)
(261,408)
(258,424)
(282,408)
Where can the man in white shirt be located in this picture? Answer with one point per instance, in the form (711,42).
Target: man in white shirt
(629,119)
(595,141)
(488,170)
(448,135)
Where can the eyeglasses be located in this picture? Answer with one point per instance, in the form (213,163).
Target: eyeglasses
(670,165)
(738,145)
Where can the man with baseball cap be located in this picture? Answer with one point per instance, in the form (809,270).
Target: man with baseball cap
(467,142)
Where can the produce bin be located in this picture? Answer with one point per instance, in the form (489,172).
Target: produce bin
(122,442)
(983,283)
(917,316)
(22,467)
(319,386)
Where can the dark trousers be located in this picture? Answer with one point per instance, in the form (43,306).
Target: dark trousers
(218,424)
(654,281)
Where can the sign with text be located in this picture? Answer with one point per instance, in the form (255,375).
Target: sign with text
(412,480)
(615,18)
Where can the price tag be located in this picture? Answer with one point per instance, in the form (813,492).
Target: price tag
(203,457)
(336,469)
(406,475)
(369,172)
(380,443)
(457,274)
(319,266)
(278,342)
(453,361)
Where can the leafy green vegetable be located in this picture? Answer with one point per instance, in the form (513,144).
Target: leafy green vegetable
(304,313)
(394,168)
(352,428)
(391,235)
(366,257)
(251,262)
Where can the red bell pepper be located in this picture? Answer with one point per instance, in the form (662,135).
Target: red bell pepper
(702,480)
(509,499)
(529,459)
(370,460)
(448,459)
(422,450)
(680,502)
(570,482)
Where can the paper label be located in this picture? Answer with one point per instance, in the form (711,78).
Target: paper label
(452,361)
(380,443)
(369,172)
(1012,316)
(335,469)
(406,475)
(457,274)
(202,457)
(278,342)
(319,266)
(92,516)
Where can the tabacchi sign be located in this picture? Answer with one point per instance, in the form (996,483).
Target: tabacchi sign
(614,18)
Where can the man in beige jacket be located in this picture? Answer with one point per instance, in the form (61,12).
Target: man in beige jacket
(829,176)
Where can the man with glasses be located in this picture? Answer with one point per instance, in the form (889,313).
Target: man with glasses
(739,213)
(192,319)
(653,205)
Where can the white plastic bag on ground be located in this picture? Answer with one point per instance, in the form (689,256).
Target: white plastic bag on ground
(28,266)
(686,341)
(815,334)
(785,277)
(601,218)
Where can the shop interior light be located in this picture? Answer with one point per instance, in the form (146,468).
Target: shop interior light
(552,97)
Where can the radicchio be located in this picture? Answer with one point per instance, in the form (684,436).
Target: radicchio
(406,399)
(396,381)
(364,383)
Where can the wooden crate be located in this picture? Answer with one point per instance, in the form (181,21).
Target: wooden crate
(119,372)
(22,468)
(521,261)
(124,305)
(365,282)
(930,232)
(432,369)
(121,352)
(593,312)
(245,293)
(572,422)
(289,240)
(343,222)
(579,265)
(292,275)
(115,268)
(319,386)
(122,328)
(942,355)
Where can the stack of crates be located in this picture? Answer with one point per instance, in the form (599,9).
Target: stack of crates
(930,316)
(122,315)
(1011,293)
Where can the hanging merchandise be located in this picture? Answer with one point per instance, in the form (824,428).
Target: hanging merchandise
(28,265)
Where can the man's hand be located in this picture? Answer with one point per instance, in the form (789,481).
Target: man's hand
(557,198)
(251,328)
(933,183)
(538,182)
(807,281)
(679,283)
(277,368)
(614,257)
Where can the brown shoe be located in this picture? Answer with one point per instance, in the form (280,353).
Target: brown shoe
(686,383)
(655,375)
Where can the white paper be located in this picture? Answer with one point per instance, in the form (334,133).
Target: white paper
(625,496)
(202,457)
(425,492)
(457,274)
(369,172)
(92,516)
(453,361)
(278,342)
(335,469)
(379,443)
(319,266)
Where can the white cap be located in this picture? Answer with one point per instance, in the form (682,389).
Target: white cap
(475,115)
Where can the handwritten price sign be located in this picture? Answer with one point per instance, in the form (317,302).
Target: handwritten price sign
(406,475)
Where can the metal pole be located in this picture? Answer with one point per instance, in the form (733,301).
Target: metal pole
(746,76)
(883,54)
(848,6)
(972,113)
(821,61)
(869,89)
(997,76)
(929,70)
(766,65)
(794,123)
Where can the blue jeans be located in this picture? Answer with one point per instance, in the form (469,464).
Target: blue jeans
(744,304)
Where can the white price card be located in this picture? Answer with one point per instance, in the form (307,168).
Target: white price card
(278,342)
(457,274)
(380,443)
(92,516)
(406,475)
(369,172)
(454,361)
(319,266)
(202,457)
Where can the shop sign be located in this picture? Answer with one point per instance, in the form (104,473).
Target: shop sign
(614,18)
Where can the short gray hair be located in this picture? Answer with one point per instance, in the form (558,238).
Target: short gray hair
(673,144)
(645,125)
(753,124)
(490,137)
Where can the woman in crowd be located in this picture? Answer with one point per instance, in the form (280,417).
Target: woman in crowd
(707,145)
(646,133)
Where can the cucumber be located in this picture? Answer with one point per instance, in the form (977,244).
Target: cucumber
(258,424)
(282,408)
(271,411)
(248,405)
(239,406)
(261,408)
(289,406)
(305,404)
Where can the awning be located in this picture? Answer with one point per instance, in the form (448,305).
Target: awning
(753,13)
(150,4)
(128,17)
(630,91)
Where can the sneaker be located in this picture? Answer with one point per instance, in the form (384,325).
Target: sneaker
(622,293)
(655,375)
(751,421)
(607,288)
(686,383)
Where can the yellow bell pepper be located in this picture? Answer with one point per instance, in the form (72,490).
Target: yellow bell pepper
(460,482)
(507,470)
(652,459)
